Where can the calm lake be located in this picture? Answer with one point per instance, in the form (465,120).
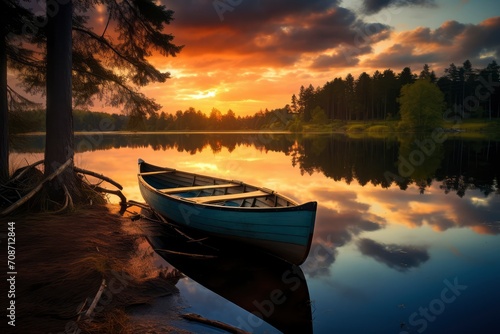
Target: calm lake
(407,236)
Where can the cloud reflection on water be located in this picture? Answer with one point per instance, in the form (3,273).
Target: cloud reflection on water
(340,218)
(399,257)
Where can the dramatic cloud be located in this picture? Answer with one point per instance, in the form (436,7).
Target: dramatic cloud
(411,209)
(399,257)
(374,6)
(252,55)
(451,42)
(272,32)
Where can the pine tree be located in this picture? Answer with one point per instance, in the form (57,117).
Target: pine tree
(83,65)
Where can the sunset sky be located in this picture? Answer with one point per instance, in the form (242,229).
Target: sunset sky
(248,55)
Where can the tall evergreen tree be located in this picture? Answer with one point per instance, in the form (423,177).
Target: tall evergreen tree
(363,92)
(59,138)
(350,94)
(294,105)
(426,73)
(109,66)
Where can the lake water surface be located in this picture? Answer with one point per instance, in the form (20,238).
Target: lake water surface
(407,236)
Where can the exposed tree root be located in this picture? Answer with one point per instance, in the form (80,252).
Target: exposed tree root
(99,176)
(114,192)
(37,188)
(68,200)
(20,190)
(22,171)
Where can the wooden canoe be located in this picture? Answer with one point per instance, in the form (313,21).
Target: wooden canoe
(232,210)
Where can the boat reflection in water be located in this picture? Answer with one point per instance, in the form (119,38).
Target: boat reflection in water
(265,286)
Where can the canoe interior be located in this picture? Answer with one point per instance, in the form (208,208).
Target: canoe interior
(167,180)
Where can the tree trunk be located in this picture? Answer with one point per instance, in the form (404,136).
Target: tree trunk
(59,134)
(4,113)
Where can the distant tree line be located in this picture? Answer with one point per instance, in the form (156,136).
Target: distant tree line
(34,121)
(469,93)
(188,120)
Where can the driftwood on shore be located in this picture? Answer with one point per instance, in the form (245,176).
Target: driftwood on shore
(196,256)
(97,297)
(214,323)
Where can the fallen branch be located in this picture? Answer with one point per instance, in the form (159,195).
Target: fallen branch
(214,323)
(99,176)
(199,256)
(96,300)
(33,192)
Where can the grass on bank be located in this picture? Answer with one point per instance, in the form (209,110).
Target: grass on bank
(466,128)
(62,260)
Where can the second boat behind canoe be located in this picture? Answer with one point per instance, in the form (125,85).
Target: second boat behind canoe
(232,210)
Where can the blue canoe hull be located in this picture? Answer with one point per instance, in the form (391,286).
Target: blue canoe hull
(285,232)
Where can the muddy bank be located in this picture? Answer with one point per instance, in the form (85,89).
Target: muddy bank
(63,261)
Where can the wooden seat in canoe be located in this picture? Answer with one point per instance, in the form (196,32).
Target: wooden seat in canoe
(229,197)
(195,188)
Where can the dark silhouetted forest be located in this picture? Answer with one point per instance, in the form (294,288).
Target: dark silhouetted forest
(469,93)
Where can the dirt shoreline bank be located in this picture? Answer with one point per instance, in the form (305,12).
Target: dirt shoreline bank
(62,262)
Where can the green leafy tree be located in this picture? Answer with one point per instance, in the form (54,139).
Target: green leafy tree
(319,116)
(422,106)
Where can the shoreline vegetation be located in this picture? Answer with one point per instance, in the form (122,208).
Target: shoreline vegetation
(386,101)
(83,251)
(468,128)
